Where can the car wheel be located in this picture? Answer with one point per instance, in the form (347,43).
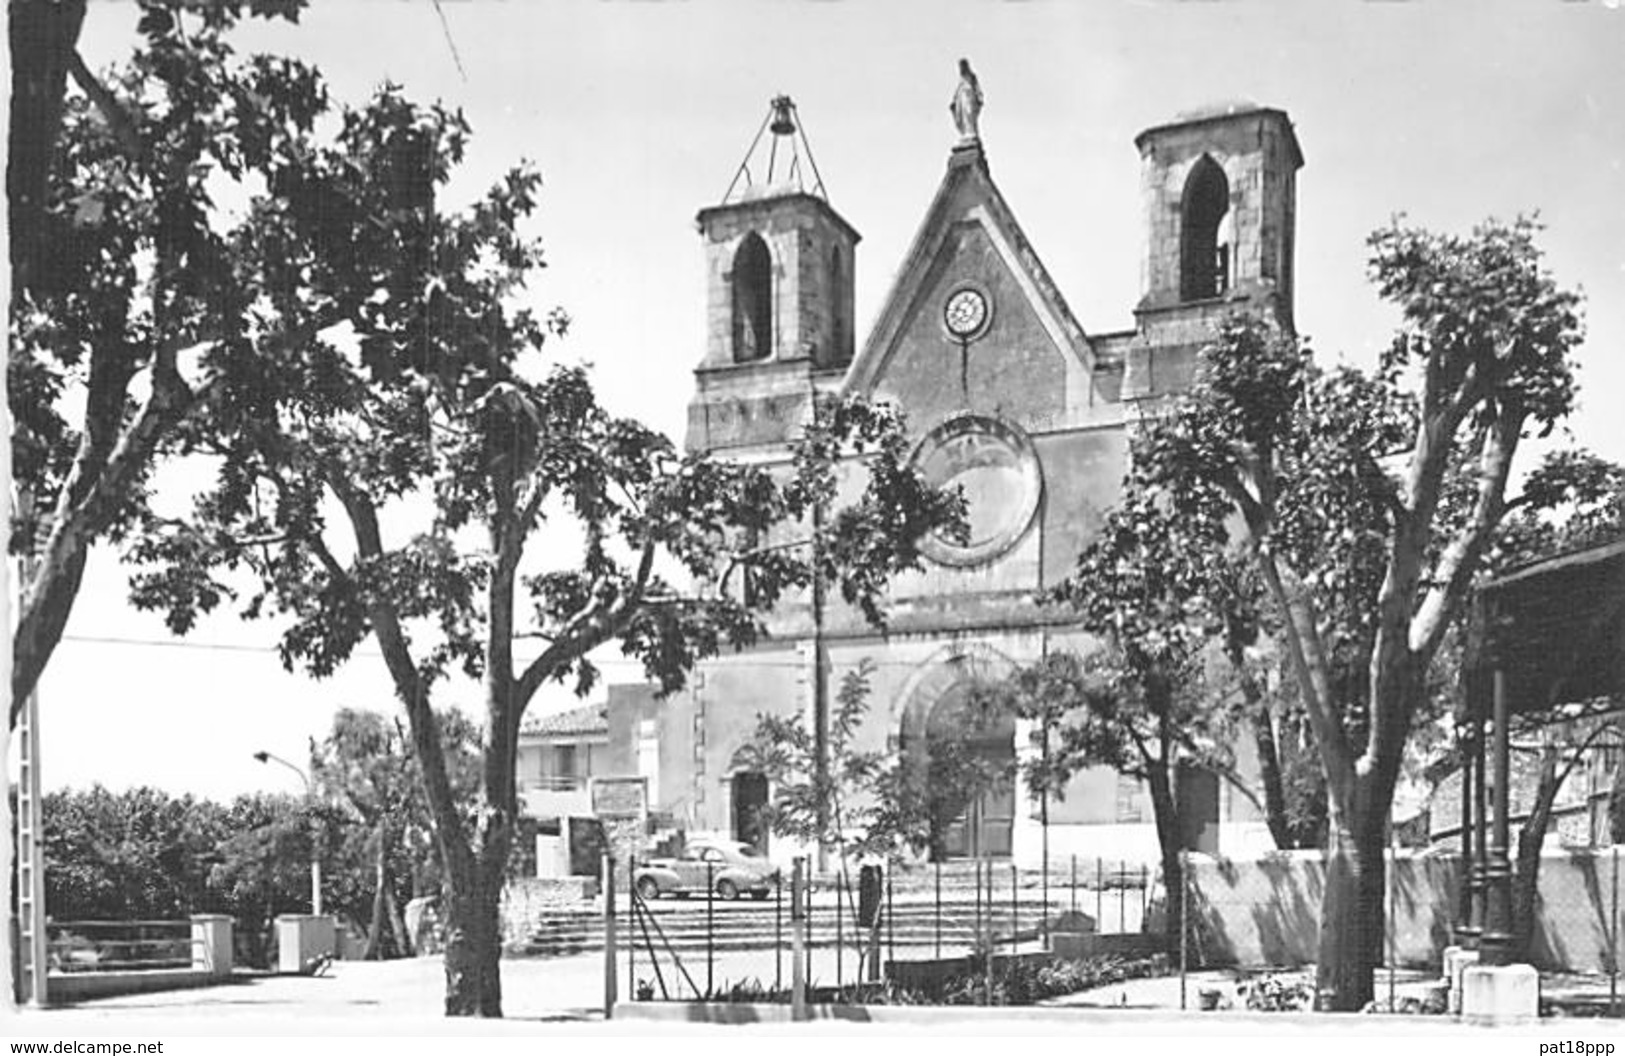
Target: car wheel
(758,895)
(648,889)
(727,890)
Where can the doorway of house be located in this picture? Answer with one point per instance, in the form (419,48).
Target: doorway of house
(749,799)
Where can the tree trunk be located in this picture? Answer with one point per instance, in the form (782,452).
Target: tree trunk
(471,915)
(44,35)
(1351,915)
(1526,870)
(1269,775)
(1165,810)
(375,931)
(397,923)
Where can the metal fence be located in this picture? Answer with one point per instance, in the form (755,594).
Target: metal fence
(862,927)
(1259,916)
(119,945)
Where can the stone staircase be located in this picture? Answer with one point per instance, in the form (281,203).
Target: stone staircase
(920,918)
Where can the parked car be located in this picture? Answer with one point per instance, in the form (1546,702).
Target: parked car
(734,869)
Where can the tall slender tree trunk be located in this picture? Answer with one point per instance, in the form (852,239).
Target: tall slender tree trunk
(375,930)
(1170,841)
(397,922)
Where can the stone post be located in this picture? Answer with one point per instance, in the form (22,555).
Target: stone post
(211,943)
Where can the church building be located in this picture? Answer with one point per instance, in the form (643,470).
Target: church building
(1011,399)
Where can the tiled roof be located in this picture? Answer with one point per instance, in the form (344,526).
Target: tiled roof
(588,719)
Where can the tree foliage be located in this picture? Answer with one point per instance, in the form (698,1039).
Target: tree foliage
(130,313)
(144,854)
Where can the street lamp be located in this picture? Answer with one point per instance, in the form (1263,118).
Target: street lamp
(315,851)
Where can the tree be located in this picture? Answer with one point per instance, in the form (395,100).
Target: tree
(123,261)
(135,855)
(869,803)
(433,405)
(382,849)
(1368,504)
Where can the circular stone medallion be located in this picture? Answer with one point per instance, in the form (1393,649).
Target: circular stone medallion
(995,466)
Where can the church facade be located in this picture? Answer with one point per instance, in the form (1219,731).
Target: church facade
(1011,399)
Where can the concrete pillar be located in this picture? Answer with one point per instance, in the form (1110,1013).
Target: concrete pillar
(1500,995)
(301,939)
(1456,962)
(211,943)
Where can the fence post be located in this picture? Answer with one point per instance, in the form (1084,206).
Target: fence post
(1100,887)
(1393,952)
(1613,943)
(710,931)
(1074,897)
(1015,909)
(1184,922)
(840,930)
(609,936)
(778,934)
(798,924)
(987,945)
(891,932)
(976,939)
(807,902)
(1122,896)
(634,907)
(939,909)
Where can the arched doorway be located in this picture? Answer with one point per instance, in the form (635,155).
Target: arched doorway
(962,758)
(970,760)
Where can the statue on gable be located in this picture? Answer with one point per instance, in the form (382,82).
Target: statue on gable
(967,105)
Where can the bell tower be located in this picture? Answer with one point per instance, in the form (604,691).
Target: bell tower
(1220,193)
(779,301)
(1220,199)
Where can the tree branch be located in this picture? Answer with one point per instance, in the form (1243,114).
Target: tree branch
(1310,665)
(1461,558)
(409,684)
(118,118)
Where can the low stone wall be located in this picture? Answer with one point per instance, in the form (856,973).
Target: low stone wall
(529,902)
(1266,911)
(72,987)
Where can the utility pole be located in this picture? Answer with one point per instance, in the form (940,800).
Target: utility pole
(32,939)
(820,661)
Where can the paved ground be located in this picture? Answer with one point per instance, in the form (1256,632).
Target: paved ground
(565,994)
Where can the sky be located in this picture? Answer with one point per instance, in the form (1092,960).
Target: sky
(638,114)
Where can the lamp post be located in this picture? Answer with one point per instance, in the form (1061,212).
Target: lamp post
(315,851)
